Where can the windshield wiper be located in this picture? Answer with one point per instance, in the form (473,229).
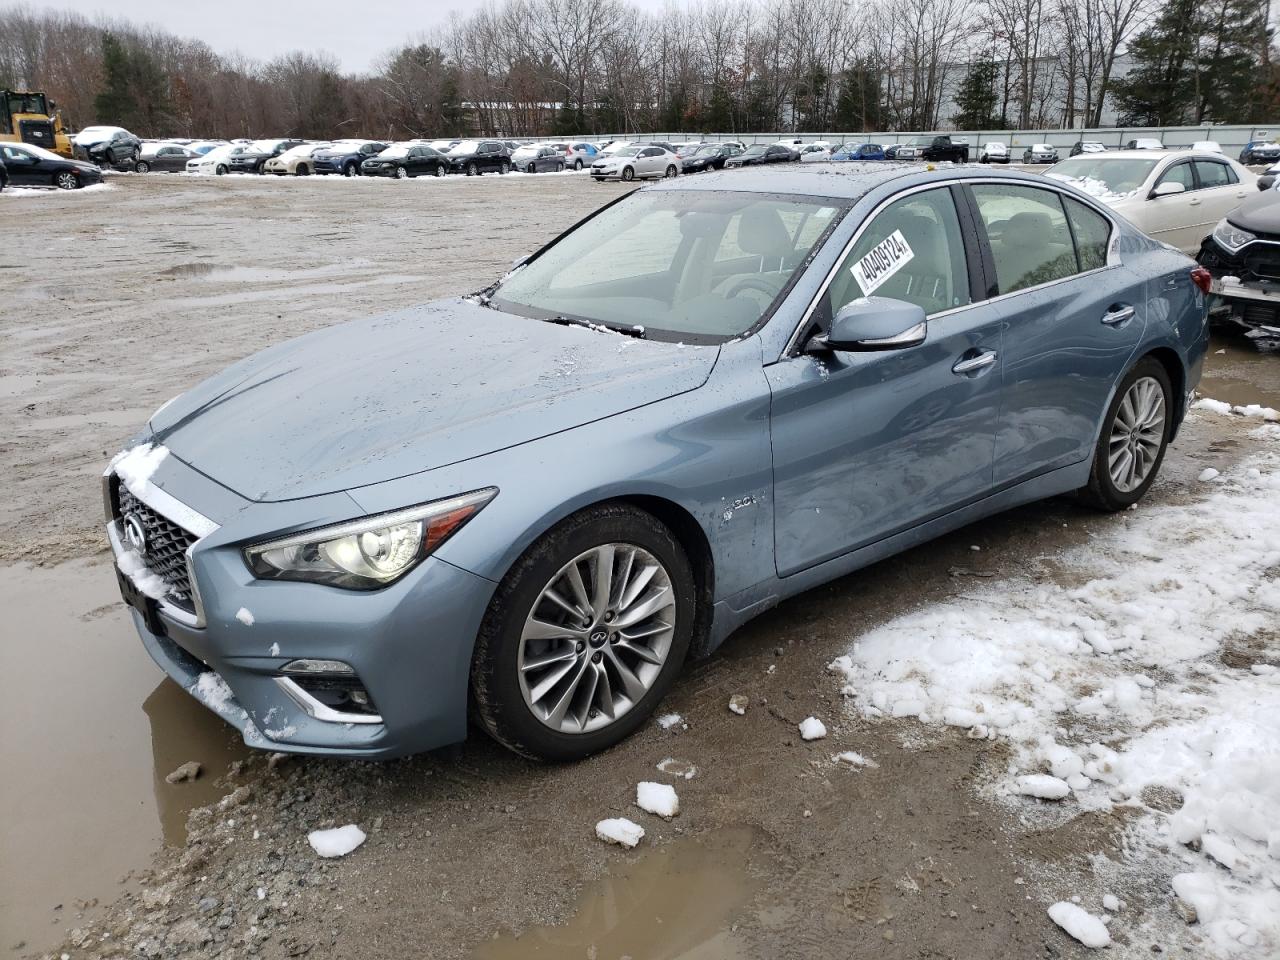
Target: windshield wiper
(631,331)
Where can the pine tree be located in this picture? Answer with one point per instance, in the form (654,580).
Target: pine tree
(115,103)
(976,98)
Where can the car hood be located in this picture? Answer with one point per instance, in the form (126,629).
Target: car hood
(1259,214)
(378,399)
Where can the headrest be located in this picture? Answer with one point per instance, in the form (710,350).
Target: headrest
(762,233)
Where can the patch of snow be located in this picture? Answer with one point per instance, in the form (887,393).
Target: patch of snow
(337,842)
(657,798)
(1207,474)
(136,466)
(854,759)
(738,704)
(135,568)
(678,768)
(811,728)
(1081,924)
(1165,590)
(1112,903)
(1253,410)
(621,831)
(211,690)
(669,720)
(244,616)
(274,650)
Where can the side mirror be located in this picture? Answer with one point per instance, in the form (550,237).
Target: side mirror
(1266,181)
(873,323)
(1167,189)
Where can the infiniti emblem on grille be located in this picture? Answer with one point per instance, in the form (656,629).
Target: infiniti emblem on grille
(135,533)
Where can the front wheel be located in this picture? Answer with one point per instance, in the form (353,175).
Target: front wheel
(584,635)
(401,173)
(1135,435)
(220,170)
(532,168)
(67,180)
(628,174)
(142,166)
(350,170)
(440,171)
(472,170)
(302,170)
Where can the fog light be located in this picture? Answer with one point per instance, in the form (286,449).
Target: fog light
(322,667)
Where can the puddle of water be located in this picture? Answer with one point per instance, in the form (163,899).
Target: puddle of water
(87,737)
(1243,374)
(675,903)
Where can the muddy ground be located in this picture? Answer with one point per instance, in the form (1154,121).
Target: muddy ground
(114,301)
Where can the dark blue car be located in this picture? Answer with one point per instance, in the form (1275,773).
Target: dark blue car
(859,151)
(345,156)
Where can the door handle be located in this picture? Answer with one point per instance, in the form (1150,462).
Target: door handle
(1194,203)
(974,364)
(1118,316)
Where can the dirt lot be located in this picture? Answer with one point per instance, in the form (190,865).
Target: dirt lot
(118,299)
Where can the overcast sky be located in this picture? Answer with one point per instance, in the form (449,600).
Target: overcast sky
(356,31)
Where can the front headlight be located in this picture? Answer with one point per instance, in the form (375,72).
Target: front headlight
(1230,237)
(369,553)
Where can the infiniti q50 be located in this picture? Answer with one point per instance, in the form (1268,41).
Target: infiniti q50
(533,504)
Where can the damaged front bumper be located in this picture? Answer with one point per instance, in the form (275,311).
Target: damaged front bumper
(1254,307)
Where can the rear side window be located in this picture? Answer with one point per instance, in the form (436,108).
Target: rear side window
(1030,241)
(1214,174)
(912,251)
(1092,231)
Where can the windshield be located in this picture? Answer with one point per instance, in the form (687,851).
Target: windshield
(689,266)
(626,152)
(466,146)
(707,151)
(754,151)
(1116,175)
(922,142)
(305,150)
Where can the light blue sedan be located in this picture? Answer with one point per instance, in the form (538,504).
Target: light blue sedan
(714,393)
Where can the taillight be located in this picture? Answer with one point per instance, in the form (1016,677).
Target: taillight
(1202,278)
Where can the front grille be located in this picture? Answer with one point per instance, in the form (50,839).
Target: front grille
(1262,260)
(37,132)
(166,548)
(1258,313)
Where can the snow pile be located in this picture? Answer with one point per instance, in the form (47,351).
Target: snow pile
(337,842)
(1118,685)
(136,466)
(1080,923)
(1254,410)
(669,720)
(621,831)
(657,798)
(811,728)
(854,759)
(1097,189)
(135,568)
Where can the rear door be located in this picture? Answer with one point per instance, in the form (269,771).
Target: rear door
(869,444)
(1220,191)
(1073,316)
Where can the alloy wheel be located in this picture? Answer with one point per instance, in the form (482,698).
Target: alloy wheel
(1137,434)
(67,181)
(597,638)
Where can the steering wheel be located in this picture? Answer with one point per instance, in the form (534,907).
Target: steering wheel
(751,282)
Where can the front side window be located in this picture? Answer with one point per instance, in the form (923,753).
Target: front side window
(913,251)
(1179,173)
(1214,174)
(692,266)
(1030,241)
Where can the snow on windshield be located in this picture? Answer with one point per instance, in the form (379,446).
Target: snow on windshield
(398,150)
(1107,178)
(466,146)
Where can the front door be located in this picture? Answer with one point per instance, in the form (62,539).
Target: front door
(1073,320)
(24,169)
(868,444)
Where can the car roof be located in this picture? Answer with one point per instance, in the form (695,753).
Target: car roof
(1160,154)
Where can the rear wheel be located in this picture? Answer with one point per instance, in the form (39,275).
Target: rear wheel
(67,180)
(1134,437)
(560,167)
(671,171)
(142,166)
(532,168)
(577,164)
(504,167)
(220,169)
(584,635)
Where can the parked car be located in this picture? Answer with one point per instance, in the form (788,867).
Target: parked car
(1243,255)
(201,147)
(935,149)
(580,154)
(1210,146)
(404,160)
(1260,151)
(255,155)
(639,161)
(106,146)
(539,158)
(216,161)
(759,153)
(1175,196)
(164,158)
(711,156)
(345,156)
(892,150)
(859,151)
(31,166)
(1144,143)
(993,152)
(444,146)
(294,162)
(688,149)
(1040,153)
(476,157)
(4,174)
(819,150)
(1086,146)
(288,532)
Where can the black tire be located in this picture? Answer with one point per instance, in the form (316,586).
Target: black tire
(440,171)
(532,168)
(577,164)
(220,170)
(67,180)
(472,169)
(142,166)
(560,167)
(351,170)
(302,170)
(671,171)
(1101,492)
(628,174)
(498,702)
(504,167)
(402,173)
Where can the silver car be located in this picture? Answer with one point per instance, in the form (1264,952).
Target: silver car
(639,161)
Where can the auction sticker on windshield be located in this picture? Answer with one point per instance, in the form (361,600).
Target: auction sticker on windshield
(884,260)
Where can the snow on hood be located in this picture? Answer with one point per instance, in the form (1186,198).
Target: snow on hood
(375,400)
(91,135)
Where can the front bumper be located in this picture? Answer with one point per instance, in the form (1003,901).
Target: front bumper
(409,644)
(1253,306)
